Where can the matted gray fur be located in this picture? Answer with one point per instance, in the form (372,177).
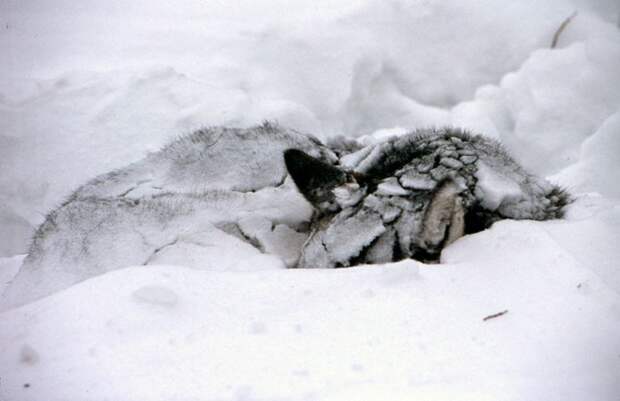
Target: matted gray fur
(410,196)
(406,197)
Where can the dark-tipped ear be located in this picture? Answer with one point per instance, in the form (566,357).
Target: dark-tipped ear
(314,178)
(444,218)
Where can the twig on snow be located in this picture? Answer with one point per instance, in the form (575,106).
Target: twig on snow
(563,25)
(493,316)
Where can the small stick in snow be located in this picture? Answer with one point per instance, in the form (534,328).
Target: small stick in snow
(563,25)
(495,315)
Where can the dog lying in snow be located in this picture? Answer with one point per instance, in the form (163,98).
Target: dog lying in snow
(220,191)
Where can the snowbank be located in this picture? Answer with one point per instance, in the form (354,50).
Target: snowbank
(407,330)
(598,169)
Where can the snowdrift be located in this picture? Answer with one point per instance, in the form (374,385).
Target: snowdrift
(405,330)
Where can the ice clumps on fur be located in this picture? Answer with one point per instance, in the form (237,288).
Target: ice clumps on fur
(418,192)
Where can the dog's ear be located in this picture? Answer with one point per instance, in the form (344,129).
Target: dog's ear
(314,178)
(444,218)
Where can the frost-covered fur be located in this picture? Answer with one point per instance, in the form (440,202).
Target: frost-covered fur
(410,196)
(220,194)
(204,199)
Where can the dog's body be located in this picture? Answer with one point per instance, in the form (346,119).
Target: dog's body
(219,190)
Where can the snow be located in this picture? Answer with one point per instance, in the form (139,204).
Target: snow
(391,186)
(556,99)
(87,87)
(494,187)
(598,168)
(165,332)
(156,295)
(8,269)
(343,240)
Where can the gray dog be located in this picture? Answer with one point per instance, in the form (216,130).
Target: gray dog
(407,197)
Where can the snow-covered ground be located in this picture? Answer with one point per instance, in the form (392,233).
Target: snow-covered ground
(89,86)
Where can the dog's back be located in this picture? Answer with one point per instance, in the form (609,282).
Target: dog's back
(219,188)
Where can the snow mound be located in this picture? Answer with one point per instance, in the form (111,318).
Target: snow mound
(288,334)
(556,100)
(598,169)
(156,295)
